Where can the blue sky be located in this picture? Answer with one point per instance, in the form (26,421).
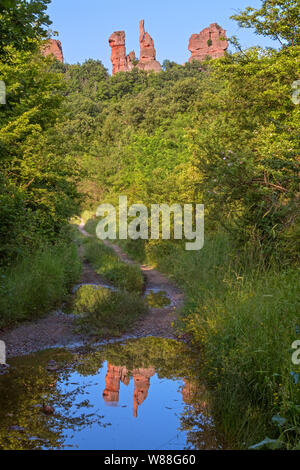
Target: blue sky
(84,26)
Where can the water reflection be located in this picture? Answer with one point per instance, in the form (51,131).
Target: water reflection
(157,298)
(143,394)
(115,375)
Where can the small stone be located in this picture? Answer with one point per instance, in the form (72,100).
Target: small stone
(52,366)
(48,410)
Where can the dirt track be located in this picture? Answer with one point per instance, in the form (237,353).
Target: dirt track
(56,329)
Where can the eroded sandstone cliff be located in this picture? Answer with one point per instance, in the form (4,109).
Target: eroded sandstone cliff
(124,63)
(53,47)
(147,60)
(120,61)
(210,42)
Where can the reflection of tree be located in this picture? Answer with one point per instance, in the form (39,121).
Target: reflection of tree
(196,418)
(29,386)
(171,359)
(23,425)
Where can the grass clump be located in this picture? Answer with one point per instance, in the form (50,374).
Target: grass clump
(38,283)
(91,225)
(103,312)
(106,263)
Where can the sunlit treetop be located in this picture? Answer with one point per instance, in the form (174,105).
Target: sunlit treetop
(21,24)
(278,19)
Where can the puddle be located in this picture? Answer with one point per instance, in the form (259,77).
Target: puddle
(98,286)
(157,298)
(124,396)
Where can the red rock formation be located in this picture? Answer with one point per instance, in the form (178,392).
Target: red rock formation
(121,62)
(147,60)
(208,43)
(141,387)
(53,47)
(113,377)
(124,63)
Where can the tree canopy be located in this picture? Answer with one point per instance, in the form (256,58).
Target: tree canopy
(22,23)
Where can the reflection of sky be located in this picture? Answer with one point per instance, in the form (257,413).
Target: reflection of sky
(156,426)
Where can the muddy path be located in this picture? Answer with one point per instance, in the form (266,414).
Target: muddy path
(159,321)
(57,328)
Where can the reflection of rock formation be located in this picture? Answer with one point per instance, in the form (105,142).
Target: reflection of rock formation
(208,43)
(147,60)
(141,387)
(53,47)
(120,61)
(114,376)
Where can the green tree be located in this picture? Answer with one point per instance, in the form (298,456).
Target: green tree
(22,23)
(246,140)
(37,189)
(278,19)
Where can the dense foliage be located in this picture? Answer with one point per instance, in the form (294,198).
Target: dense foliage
(227,134)
(22,24)
(38,191)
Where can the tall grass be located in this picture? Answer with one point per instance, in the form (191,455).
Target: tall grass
(245,318)
(37,283)
(107,264)
(134,248)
